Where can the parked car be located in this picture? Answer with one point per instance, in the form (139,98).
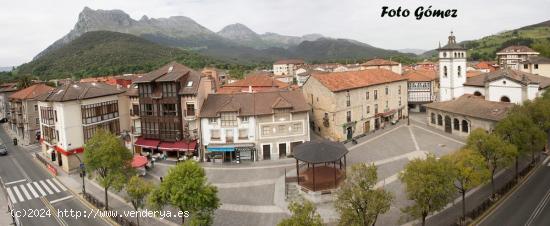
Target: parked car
(3,150)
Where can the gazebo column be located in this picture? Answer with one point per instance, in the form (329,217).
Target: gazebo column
(297,172)
(334,168)
(313,176)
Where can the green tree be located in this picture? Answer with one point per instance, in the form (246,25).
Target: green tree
(304,213)
(186,188)
(428,184)
(358,201)
(469,171)
(539,112)
(109,160)
(24,82)
(496,152)
(137,190)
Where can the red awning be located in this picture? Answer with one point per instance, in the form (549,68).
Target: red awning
(386,114)
(147,143)
(139,161)
(178,146)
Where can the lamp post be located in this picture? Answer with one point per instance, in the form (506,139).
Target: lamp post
(82,173)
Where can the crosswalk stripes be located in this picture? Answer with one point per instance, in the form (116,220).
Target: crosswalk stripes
(18,194)
(42,193)
(22,186)
(46,187)
(23,192)
(53,186)
(32,190)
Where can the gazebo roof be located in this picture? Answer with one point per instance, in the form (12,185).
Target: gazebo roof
(320,151)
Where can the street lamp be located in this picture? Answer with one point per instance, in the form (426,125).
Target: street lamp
(82,173)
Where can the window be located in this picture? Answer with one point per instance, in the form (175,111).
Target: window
(464,126)
(135,110)
(212,121)
(399,101)
(229,119)
(459,71)
(35,107)
(376,94)
(536,66)
(439,120)
(243,134)
(444,54)
(348,101)
(144,90)
(445,71)
(367,95)
(525,66)
(368,109)
(244,119)
(348,116)
(376,109)
(433,118)
(190,109)
(112,126)
(387,106)
(456,124)
(189,84)
(215,134)
(55,115)
(387,91)
(92,113)
(266,130)
(282,114)
(399,90)
(147,109)
(169,89)
(37,120)
(169,110)
(297,128)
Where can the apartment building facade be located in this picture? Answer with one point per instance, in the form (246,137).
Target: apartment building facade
(71,114)
(253,126)
(348,104)
(512,56)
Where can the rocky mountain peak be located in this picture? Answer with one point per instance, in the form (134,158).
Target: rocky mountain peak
(238,31)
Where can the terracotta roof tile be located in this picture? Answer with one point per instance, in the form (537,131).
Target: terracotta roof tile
(79,91)
(518,76)
(421,75)
(379,62)
(339,81)
(516,49)
(31,92)
(474,106)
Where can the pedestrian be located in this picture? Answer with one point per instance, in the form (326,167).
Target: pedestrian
(160,179)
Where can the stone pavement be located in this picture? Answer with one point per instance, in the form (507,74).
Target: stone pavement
(5,215)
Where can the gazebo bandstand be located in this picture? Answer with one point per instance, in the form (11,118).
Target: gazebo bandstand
(324,164)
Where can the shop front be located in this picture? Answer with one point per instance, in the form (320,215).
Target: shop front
(232,153)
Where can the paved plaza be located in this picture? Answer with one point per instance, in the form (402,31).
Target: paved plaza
(255,191)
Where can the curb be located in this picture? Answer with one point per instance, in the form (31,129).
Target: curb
(505,197)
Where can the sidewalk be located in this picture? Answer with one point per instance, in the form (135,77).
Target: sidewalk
(5,215)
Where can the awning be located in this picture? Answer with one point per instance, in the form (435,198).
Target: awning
(220,149)
(178,146)
(227,147)
(387,113)
(146,143)
(139,161)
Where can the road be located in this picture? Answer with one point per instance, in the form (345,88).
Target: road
(529,205)
(37,193)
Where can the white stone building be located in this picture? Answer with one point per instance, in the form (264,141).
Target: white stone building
(452,70)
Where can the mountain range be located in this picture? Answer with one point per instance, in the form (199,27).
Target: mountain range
(235,42)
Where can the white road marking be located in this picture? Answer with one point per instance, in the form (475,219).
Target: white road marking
(32,190)
(448,138)
(59,184)
(12,198)
(546,160)
(414,139)
(53,186)
(21,199)
(46,187)
(387,180)
(22,186)
(15,182)
(61,199)
(548,164)
(374,138)
(42,193)
(538,209)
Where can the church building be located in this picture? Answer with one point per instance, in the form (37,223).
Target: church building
(467,103)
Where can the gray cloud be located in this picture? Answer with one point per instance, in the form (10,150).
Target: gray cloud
(30,26)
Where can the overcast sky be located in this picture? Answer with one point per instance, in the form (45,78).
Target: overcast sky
(27,27)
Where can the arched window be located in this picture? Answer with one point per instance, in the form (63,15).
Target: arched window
(465,126)
(444,54)
(439,120)
(505,99)
(445,71)
(477,93)
(455,55)
(456,124)
(459,71)
(433,118)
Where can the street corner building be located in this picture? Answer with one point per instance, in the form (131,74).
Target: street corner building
(72,113)
(253,126)
(165,108)
(24,118)
(349,104)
